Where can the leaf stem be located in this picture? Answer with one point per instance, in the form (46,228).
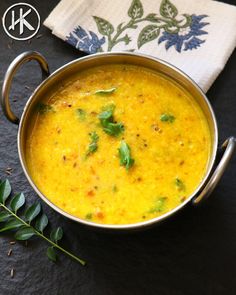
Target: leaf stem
(42,236)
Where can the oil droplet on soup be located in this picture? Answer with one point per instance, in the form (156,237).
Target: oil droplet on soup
(118,144)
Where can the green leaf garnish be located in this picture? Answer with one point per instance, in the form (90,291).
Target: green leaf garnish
(44,108)
(11,221)
(105,91)
(51,254)
(108,124)
(24,233)
(180,185)
(89,216)
(17,202)
(5,190)
(158,206)
(125,155)
(41,223)
(93,146)
(4,216)
(56,235)
(81,114)
(32,212)
(167,118)
(11,224)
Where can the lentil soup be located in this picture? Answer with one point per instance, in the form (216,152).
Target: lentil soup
(118,144)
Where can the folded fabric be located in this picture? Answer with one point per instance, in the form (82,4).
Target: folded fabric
(196,36)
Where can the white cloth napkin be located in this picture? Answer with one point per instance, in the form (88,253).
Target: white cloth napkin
(196,36)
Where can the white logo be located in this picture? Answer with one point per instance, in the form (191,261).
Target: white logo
(21,21)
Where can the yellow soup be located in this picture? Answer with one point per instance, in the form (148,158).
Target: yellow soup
(118,144)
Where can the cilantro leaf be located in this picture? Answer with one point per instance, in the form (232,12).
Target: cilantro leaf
(125,155)
(167,118)
(93,146)
(107,121)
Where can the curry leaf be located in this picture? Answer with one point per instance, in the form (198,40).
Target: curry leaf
(25,233)
(125,155)
(4,216)
(5,190)
(136,9)
(17,202)
(56,234)
(105,91)
(167,9)
(51,254)
(148,33)
(104,27)
(10,221)
(32,212)
(11,225)
(41,222)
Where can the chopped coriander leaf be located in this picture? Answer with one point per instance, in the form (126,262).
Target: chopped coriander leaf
(89,216)
(167,118)
(109,107)
(113,129)
(114,189)
(93,146)
(81,114)
(158,206)
(125,155)
(108,124)
(44,108)
(105,91)
(180,185)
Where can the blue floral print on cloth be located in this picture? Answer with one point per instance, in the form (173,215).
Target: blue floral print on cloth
(188,39)
(180,31)
(80,39)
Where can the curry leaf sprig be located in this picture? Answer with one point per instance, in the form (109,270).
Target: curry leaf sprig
(22,226)
(107,121)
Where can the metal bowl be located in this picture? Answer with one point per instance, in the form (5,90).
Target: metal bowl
(63,74)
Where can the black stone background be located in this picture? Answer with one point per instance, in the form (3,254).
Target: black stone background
(193,253)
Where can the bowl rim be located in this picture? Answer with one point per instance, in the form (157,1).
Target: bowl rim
(141,224)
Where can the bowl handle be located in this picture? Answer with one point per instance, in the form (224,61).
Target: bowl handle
(16,63)
(228,147)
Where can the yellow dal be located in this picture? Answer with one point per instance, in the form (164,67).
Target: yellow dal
(98,188)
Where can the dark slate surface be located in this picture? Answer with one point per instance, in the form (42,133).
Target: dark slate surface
(193,253)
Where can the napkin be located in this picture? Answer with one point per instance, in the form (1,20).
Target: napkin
(198,37)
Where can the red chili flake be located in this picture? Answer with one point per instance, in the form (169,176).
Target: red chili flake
(90,193)
(182,199)
(92,170)
(100,215)
(64,157)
